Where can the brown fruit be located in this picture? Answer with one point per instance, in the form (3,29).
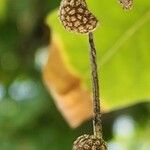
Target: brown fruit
(89,142)
(76,17)
(126,4)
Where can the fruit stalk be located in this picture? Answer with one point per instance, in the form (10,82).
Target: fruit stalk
(97,124)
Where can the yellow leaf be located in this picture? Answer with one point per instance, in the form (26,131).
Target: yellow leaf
(70,94)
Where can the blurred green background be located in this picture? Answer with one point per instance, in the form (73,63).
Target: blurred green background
(29,119)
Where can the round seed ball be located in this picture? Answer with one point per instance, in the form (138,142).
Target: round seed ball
(76,17)
(89,142)
(126,4)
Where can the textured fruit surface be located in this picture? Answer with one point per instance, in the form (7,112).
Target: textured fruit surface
(89,142)
(76,17)
(126,4)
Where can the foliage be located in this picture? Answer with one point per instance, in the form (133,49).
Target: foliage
(124,65)
(29,119)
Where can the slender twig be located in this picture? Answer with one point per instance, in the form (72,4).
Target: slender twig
(97,125)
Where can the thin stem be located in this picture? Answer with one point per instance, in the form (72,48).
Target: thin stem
(97,125)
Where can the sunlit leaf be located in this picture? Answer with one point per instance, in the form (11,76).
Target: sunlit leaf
(122,42)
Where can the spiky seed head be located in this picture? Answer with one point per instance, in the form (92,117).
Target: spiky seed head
(89,142)
(76,17)
(126,4)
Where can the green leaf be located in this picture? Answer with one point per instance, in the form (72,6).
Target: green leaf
(123,49)
(3,8)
